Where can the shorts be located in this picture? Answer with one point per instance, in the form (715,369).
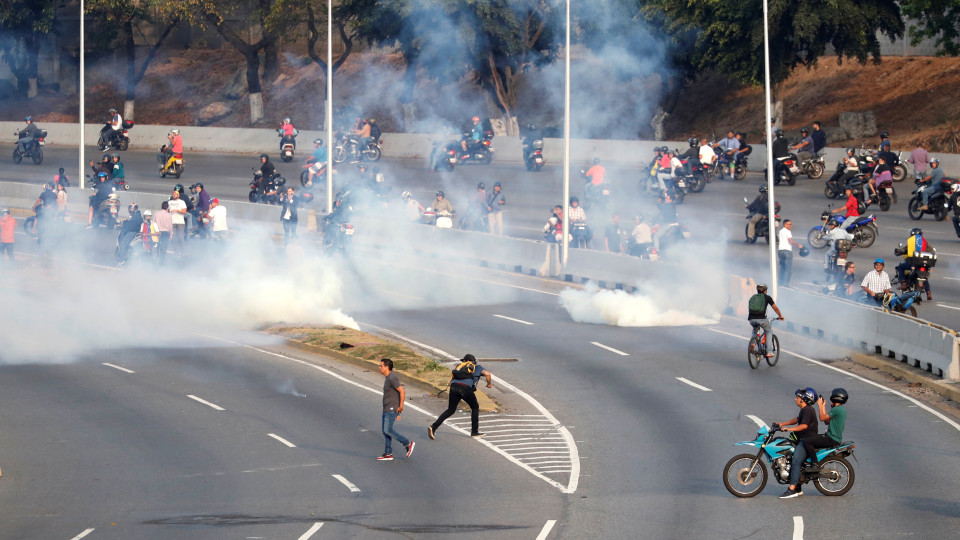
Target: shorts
(316,166)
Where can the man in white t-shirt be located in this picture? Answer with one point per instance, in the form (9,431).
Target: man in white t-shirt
(178,211)
(785,253)
(707,155)
(218,216)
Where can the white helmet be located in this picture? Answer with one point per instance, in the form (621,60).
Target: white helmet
(174,131)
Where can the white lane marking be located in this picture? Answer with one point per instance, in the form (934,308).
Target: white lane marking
(946,306)
(934,412)
(281,439)
(797,527)
(757,421)
(611,349)
(547,527)
(571,486)
(118,367)
(316,527)
(514,320)
(349,484)
(693,384)
(205,402)
(952,278)
(81,535)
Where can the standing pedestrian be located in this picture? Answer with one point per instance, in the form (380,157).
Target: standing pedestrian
(218,219)
(8,224)
(393,396)
(463,386)
(612,234)
(785,253)
(164,222)
(918,158)
(288,215)
(495,202)
(178,212)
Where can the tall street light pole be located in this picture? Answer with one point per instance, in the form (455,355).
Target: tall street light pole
(82,104)
(329,111)
(564,245)
(771,200)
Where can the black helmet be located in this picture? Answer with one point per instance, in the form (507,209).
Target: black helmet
(28,119)
(763,189)
(115,155)
(61,170)
(178,187)
(839,395)
(884,135)
(776,207)
(692,141)
(596,161)
(761,287)
(808,395)
(132,207)
(497,184)
(916,231)
(198,185)
(105,157)
(440,194)
(264,156)
(481,185)
(318,141)
(804,130)
(778,132)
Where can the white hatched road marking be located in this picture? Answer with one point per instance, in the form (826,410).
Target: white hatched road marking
(574,474)
(756,420)
(118,367)
(797,527)
(205,402)
(316,527)
(944,306)
(528,323)
(349,484)
(693,384)
(611,349)
(547,527)
(281,439)
(81,535)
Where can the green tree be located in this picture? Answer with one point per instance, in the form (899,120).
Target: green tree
(117,21)
(23,25)
(938,19)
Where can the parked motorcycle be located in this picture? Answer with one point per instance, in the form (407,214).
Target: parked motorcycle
(745,474)
(534,160)
(939,205)
(762,228)
(175,168)
(31,149)
(119,142)
(864,230)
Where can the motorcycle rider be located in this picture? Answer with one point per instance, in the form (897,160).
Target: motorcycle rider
(596,177)
(103,189)
(884,141)
(730,146)
(819,137)
(172,150)
(934,179)
(916,244)
(412,208)
(111,131)
(805,148)
(318,160)
(533,134)
(553,229)
(579,216)
(689,155)
(758,209)
(474,137)
(130,228)
(851,209)
(102,166)
(441,204)
(851,167)
(836,420)
(267,170)
(287,133)
(27,135)
(876,284)
(806,428)
(780,149)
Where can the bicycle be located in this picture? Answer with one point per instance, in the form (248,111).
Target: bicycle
(757,348)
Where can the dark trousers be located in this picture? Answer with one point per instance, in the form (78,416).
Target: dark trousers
(812,444)
(289,230)
(162,246)
(123,244)
(461,392)
(956,224)
(6,249)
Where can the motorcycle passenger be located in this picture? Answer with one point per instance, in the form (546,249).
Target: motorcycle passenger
(288,133)
(172,150)
(833,234)
(876,284)
(318,160)
(27,135)
(474,137)
(758,209)
(730,146)
(757,310)
(881,175)
(819,138)
(665,171)
(806,428)
(441,204)
(934,179)
(706,154)
(533,134)
(916,244)
(836,420)
(111,131)
(130,228)
(116,168)
(578,216)
(744,149)
(805,148)
(103,189)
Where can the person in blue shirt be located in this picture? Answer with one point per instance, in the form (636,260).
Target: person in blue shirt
(805,148)
(464,390)
(318,160)
(476,134)
(730,145)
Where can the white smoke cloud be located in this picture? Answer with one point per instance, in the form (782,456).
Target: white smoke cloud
(620,308)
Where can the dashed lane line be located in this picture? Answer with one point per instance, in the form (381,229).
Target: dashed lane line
(693,384)
(611,349)
(81,535)
(797,527)
(313,529)
(948,307)
(281,439)
(205,402)
(350,485)
(118,367)
(528,323)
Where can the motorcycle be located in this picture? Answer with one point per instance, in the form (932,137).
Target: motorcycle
(917,274)
(864,230)
(835,269)
(721,166)
(581,234)
(534,160)
(899,173)
(740,172)
(349,147)
(108,213)
(338,237)
(119,142)
(886,195)
(594,195)
(287,145)
(812,167)
(259,188)
(787,170)
(32,149)
(939,204)
(745,474)
(481,151)
(902,303)
(762,228)
(175,168)
(444,155)
(441,220)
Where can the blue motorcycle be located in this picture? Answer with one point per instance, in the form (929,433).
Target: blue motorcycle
(902,303)
(746,476)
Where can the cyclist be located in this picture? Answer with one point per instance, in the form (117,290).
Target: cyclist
(757,310)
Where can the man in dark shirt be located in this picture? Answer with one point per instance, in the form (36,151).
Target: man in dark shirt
(393,397)
(757,309)
(464,390)
(806,427)
(819,137)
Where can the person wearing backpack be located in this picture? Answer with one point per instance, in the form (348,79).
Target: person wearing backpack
(463,386)
(757,309)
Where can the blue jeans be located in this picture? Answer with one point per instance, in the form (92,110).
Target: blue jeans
(785,257)
(289,230)
(799,456)
(389,433)
(929,192)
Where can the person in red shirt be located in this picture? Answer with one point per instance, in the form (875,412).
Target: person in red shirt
(8,224)
(175,149)
(596,173)
(851,209)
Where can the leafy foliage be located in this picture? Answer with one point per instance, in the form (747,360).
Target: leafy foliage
(938,19)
